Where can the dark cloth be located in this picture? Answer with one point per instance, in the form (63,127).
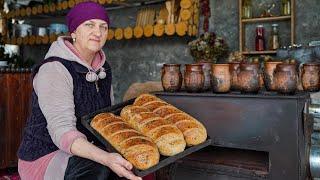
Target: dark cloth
(82,169)
(36,141)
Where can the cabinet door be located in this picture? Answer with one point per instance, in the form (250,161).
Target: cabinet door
(14,115)
(3,100)
(15,102)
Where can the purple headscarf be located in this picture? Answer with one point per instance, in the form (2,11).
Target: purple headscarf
(85,11)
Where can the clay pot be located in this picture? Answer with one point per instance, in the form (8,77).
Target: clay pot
(206,67)
(269,68)
(171,77)
(248,78)
(285,77)
(310,77)
(234,68)
(221,78)
(193,78)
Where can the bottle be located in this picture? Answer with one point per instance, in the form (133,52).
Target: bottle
(247,9)
(274,38)
(286,7)
(260,41)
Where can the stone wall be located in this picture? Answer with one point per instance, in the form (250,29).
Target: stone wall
(140,60)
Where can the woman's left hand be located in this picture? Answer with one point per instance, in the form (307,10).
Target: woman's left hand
(120,166)
(81,147)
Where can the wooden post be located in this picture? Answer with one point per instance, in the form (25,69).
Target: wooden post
(52,7)
(19,41)
(102,2)
(38,40)
(71,3)
(110,34)
(23,12)
(118,34)
(240,27)
(64,5)
(158,30)
(28,11)
(169,29)
(46,9)
(25,40)
(138,32)
(181,28)
(39,9)
(34,10)
(32,40)
(148,30)
(293,30)
(128,33)
(45,39)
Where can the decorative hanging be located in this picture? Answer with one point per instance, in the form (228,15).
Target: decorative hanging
(205,11)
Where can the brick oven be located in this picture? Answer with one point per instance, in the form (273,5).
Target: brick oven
(254,136)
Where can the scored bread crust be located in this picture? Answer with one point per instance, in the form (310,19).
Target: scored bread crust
(144,98)
(152,105)
(165,110)
(138,149)
(169,142)
(194,131)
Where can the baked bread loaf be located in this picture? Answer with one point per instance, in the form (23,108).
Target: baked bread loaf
(168,138)
(144,98)
(194,132)
(138,149)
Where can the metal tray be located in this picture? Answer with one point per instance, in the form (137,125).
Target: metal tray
(164,160)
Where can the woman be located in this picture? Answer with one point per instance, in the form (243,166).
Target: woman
(72,81)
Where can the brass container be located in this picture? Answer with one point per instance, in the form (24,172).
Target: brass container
(193,78)
(285,77)
(269,68)
(171,77)
(310,77)
(221,78)
(248,78)
(206,67)
(234,68)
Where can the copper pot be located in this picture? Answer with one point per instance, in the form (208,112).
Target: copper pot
(248,78)
(206,67)
(171,77)
(221,78)
(269,68)
(193,78)
(286,78)
(234,68)
(310,77)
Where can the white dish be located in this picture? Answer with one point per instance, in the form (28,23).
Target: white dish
(3,63)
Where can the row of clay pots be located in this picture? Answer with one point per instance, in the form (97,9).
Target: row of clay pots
(244,77)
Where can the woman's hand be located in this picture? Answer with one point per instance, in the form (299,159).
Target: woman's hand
(81,147)
(120,166)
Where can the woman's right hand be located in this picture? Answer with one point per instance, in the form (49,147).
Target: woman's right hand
(120,166)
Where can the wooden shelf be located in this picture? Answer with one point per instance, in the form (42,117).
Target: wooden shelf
(266,19)
(242,28)
(258,52)
(145,27)
(48,39)
(61,8)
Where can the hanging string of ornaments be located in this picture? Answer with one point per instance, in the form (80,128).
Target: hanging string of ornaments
(205,11)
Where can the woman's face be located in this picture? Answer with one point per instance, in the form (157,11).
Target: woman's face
(91,35)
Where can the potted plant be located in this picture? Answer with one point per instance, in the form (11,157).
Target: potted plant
(208,47)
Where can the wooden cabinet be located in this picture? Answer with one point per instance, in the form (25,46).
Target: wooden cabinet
(15,95)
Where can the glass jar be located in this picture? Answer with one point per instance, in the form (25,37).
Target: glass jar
(260,41)
(286,7)
(274,37)
(247,9)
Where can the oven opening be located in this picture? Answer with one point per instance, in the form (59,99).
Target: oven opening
(215,161)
